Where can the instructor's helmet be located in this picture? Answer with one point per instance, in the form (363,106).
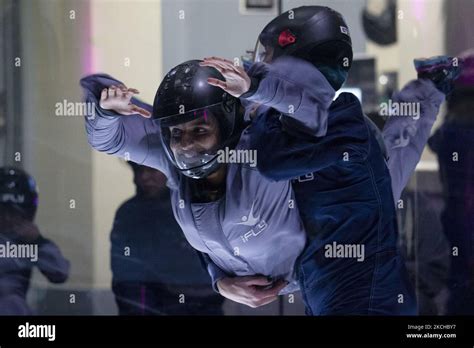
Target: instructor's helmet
(196,119)
(19,191)
(316,34)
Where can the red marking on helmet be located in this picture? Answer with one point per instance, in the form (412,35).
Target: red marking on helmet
(286,38)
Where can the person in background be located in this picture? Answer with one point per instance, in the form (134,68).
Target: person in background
(21,244)
(453,143)
(155,270)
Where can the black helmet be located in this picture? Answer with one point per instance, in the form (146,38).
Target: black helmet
(18,190)
(317,34)
(185,96)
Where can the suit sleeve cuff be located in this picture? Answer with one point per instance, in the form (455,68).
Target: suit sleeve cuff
(253,88)
(216,274)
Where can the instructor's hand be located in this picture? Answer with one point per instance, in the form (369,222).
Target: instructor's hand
(118,99)
(236,83)
(250,291)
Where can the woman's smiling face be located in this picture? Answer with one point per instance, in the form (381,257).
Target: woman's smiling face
(194,137)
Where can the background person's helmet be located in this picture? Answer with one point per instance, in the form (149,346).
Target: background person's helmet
(184,95)
(466,79)
(461,100)
(316,34)
(18,190)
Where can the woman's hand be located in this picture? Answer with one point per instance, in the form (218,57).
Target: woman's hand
(236,83)
(118,99)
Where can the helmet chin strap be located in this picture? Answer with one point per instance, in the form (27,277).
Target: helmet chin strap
(336,76)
